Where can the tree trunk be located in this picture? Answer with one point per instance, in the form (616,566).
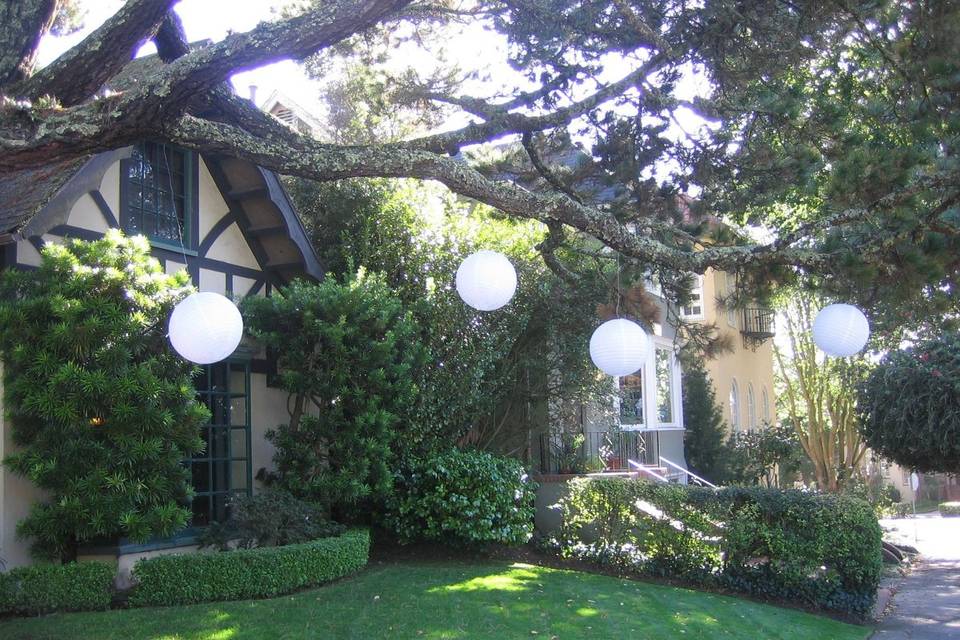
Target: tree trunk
(22,24)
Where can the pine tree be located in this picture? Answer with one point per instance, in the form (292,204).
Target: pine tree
(704,437)
(102,411)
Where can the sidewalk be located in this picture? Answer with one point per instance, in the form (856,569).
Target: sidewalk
(927,604)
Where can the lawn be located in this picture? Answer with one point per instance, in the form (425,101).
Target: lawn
(454,600)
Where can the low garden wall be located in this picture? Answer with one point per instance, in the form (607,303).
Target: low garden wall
(817,550)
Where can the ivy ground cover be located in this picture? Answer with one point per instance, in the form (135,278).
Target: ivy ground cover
(454,600)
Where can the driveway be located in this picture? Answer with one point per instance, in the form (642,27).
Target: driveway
(927,605)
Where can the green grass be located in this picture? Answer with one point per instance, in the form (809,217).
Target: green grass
(454,600)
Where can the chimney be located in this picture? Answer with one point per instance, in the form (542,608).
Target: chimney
(253,94)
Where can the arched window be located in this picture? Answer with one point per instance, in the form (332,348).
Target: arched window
(765,405)
(751,407)
(734,406)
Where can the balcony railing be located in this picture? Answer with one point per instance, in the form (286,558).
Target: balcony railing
(597,451)
(758,323)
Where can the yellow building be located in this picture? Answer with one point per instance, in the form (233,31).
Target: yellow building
(742,378)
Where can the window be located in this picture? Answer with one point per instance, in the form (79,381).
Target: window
(694,310)
(765,405)
(734,406)
(223,467)
(631,399)
(156,193)
(663,366)
(751,407)
(729,289)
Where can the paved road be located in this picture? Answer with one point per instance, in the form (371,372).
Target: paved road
(927,604)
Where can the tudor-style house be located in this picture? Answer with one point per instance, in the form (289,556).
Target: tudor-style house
(231,226)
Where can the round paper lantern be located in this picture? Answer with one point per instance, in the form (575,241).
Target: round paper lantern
(486,280)
(840,330)
(205,327)
(618,347)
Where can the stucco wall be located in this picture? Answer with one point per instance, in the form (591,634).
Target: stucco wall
(748,365)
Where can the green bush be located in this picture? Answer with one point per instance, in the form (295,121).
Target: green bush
(247,573)
(462,497)
(103,410)
(821,550)
(270,518)
(45,588)
(948,509)
(347,352)
(909,406)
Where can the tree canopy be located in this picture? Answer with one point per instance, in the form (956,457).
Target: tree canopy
(830,125)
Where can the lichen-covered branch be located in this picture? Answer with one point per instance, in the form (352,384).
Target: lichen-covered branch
(293,154)
(22,24)
(81,71)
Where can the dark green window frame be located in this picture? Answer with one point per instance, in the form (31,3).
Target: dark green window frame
(224,468)
(158,194)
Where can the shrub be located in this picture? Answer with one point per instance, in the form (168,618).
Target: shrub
(270,518)
(102,409)
(822,550)
(248,573)
(949,509)
(347,353)
(909,406)
(45,588)
(462,497)
(703,440)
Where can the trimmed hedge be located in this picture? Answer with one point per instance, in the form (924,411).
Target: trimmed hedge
(462,498)
(949,509)
(821,550)
(247,573)
(45,588)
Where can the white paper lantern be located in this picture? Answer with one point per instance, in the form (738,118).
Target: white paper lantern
(618,347)
(486,280)
(840,330)
(205,327)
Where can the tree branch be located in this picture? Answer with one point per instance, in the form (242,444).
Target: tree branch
(501,123)
(80,72)
(22,25)
(294,154)
(171,39)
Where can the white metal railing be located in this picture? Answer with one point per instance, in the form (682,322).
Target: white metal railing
(687,473)
(647,470)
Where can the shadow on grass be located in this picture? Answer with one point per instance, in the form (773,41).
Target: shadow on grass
(454,600)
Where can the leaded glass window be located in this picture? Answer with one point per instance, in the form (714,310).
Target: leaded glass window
(157,193)
(223,468)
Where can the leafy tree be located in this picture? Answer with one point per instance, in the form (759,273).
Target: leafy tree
(494,374)
(830,124)
(819,396)
(346,352)
(102,410)
(763,456)
(909,406)
(703,440)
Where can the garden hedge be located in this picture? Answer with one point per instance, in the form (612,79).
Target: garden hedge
(819,550)
(248,573)
(462,498)
(949,509)
(45,588)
